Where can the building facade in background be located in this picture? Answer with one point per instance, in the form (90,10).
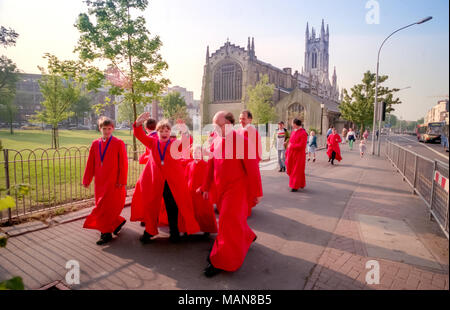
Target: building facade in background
(438,113)
(230,70)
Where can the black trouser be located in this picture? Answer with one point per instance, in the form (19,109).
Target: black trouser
(172,210)
(333,157)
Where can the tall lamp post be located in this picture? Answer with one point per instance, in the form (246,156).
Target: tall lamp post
(376,108)
(321,118)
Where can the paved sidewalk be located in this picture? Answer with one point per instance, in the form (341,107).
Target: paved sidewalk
(318,238)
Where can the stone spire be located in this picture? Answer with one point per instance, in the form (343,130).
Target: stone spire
(313,31)
(248,45)
(207,54)
(307,31)
(334,78)
(322,31)
(253,46)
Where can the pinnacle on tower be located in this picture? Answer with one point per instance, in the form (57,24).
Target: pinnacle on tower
(253,45)
(313,31)
(328,32)
(307,31)
(322,31)
(248,44)
(207,53)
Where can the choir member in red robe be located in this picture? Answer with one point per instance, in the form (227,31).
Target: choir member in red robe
(150,126)
(196,171)
(108,164)
(163,177)
(334,151)
(254,149)
(230,176)
(296,156)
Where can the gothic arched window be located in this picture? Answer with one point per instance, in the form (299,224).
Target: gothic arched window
(228,82)
(314,60)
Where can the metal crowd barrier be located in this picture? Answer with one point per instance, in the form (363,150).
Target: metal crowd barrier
(428,178)
(53,176)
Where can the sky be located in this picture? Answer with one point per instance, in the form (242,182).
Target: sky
(417,57)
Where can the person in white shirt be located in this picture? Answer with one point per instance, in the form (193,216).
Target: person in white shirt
(280,141)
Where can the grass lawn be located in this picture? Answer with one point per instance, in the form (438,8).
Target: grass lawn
(33,139)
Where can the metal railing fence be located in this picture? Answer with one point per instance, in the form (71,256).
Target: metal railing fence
(54,177)
(420,174)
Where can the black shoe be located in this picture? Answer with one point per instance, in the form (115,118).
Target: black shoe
(175,238)
(104,238)
(329,159)
(281,170)
(255,239)
(332,162)
(284,169)
(206,235)
(116,231)
(314,160)
(294,190)
(143,224)
(146,238)
(211,271)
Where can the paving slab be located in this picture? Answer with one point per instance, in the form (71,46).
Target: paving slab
(20,229)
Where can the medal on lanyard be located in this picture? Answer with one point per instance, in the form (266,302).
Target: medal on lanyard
(163,155)
(102,155)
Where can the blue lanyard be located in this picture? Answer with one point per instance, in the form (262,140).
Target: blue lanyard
(102,155)
(163,155)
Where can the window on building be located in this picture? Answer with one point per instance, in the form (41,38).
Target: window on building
(314,60)
(228,82)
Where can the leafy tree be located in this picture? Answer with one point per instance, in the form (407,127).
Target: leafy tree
(171,104)
(8,109)
(358,107)
(8,77)
(259,101)
(134,62)
(421,121)
(126,112)
(8,37)
(62,85)
(81,106)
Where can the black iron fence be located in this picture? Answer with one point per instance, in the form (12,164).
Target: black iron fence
(54,177)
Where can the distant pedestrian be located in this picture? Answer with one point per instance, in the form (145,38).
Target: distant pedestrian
(377,134)
(344,135)
(351,137)
(108,164)
(334,151)
(329,131)
(362,147)
(312,145)
(366,134)
(280,141)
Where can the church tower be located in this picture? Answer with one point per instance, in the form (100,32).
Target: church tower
(316,52)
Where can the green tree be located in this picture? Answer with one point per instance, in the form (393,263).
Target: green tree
(358,107)
(259,101)
(62,85)
(135,65)
(81,106)
(126,112)
(421,121)
(8,37)
(8,77)
(171,104)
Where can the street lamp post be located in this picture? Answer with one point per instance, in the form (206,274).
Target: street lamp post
(376,108)
(321,118)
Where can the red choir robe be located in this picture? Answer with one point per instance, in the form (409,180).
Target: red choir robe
(143,159)
(333,145)
(109,198)
(203,209)
(296,158)
(252,150)
(149,193)
(230,175)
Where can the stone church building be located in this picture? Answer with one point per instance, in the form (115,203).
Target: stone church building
(308,95)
